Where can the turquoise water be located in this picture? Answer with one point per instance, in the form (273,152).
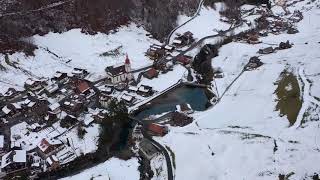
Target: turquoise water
(196,97)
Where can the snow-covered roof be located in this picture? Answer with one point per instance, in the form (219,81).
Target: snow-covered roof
(17,105)
(6,110)
(1,141)
(88,120)
(30,82)
(49,161)
(31,104)
(176,41)
(133,88)
(18,156)
(52,88)
(168,47)
(127,97)
(54,106)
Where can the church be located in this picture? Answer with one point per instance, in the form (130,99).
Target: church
(122,73)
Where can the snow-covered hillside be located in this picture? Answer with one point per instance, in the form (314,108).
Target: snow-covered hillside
(75,49)
(243,137)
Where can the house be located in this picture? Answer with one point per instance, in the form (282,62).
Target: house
(218,73)
(157,130)
(11,93)
(14,161)
(81,86)
(73,106)
(156,52)
(52,163)
(184,60)
(47,147)
(104,100)
(79,73)
(254,62)
(184,108)
(122,73)
(267,50)
(32,84)
(11,109)
(51,89)
(105,89)
(133,89)
(59,76)
(55,108)
(151,73)
(144,90)
(127,98)
(184,39)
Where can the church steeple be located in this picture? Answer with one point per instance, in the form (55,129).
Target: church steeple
(127,64)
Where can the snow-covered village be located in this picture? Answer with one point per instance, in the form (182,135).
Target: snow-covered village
(223,90)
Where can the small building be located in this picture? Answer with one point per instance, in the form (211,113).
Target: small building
(14,161)
(177,42)
(105,89)
(122,73)
(55,108)
(184,39)
(133,89)
(51,89)
(144,90)
(184,108)
(104,100)
(157,130)
(169,48)
(184,60)
(151,73)
(72,106)
(155,53)
(52,163)
(82,86)
(79,73)
(127,98)
(267,50)
(32,84)
(59,76)
(218,73)
(47,147)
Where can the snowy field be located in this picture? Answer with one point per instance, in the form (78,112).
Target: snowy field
(236,138)
(76,49)
(113,169)
(208,20)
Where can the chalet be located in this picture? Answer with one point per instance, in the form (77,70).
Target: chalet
(105,89)
(184,60)
(51,89)
(169,48)
(144,90)
(14,161)
(47,147)
(151,73)
(73,106)
(127,98)
(184,39)
(52,163)
(50,117)
(79,73)
(156,53)
(184,108)
(267,50)
(82,86)
(88,120)
(117,74)
(59,76)
(55,108)
(11,109)
(157,130)
(218,73)
(33,85)
(11,93)
(254,62)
